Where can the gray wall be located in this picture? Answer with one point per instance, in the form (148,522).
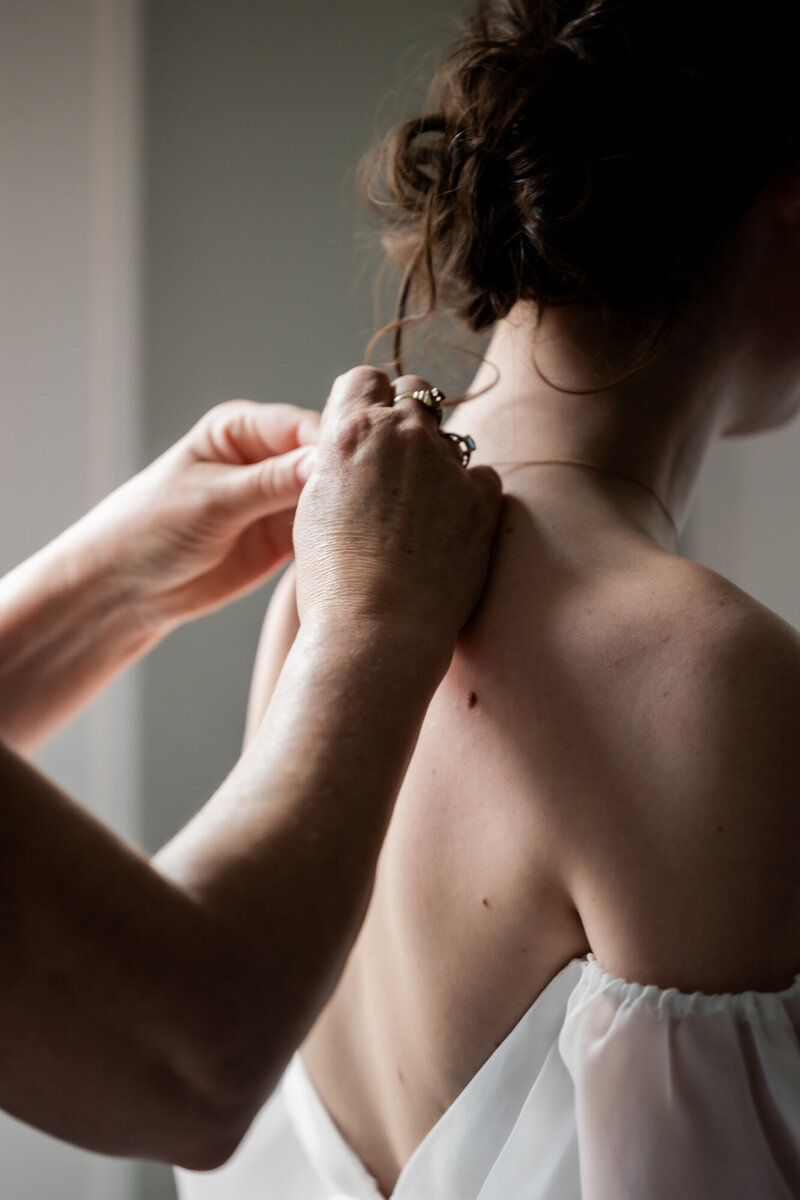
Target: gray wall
(256,117)
(745,520)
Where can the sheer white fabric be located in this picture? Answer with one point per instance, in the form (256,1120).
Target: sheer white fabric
(684,1096)
(605,1090)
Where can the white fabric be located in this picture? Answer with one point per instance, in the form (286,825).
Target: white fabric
(605,1090)
(684,1095)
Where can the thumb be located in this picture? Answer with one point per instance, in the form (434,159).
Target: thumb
(273,485)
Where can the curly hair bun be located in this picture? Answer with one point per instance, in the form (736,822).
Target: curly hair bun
(585,152)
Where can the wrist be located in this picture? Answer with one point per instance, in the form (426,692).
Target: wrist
(77,573)
(65,631)
(402,647)
(95,563)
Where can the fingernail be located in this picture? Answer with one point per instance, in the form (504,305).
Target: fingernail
(305,465)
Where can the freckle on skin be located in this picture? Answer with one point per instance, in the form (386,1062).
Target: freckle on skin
(485,902)
(720,828)
(472,700)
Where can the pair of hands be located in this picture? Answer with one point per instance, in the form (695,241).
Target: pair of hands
(384,521)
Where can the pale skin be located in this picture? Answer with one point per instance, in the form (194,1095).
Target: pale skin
(147,1009)
(611,762)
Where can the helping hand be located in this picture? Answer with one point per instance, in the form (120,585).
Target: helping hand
(391,528)
(210,518)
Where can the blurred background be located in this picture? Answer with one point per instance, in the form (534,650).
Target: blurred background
(178,226)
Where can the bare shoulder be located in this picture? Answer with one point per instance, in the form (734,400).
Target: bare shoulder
(723,658)
(692,877)
(687,617)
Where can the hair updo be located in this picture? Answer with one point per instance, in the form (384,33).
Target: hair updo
(586,152)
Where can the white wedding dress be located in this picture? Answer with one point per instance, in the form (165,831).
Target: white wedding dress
(605,1090)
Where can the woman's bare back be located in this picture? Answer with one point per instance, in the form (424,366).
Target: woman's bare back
(577,706)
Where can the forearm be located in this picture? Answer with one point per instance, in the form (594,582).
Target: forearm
(292,873)
(66,629)
(178,994)
(110,986)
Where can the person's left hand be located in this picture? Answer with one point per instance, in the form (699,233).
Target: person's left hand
(209,519)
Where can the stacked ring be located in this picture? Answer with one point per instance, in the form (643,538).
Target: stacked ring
(465,443)
(431,398)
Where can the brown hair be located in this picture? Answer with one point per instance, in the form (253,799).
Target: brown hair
(585,152)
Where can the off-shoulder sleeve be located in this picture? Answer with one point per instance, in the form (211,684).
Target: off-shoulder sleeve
(684,1096)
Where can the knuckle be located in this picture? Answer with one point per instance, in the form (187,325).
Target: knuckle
(277,479)
(417,435)
(364,379)
(228,409)
(370,374)
(340,383)
(487,496)
(492,478)
(413,432)
(269,477)
(279,409)
(349,432)
(218,423)
(411,383)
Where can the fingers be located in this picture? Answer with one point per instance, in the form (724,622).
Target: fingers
(308,427)
(491,485)
(488,479)
(413,383)
(366,387)
(268,487)
(359,389)
(244,431)
(358,396)
(280,428)
(274,445)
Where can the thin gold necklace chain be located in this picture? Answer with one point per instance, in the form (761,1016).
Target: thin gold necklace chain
(575,462)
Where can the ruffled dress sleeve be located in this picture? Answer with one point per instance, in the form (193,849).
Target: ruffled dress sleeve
(684,1096)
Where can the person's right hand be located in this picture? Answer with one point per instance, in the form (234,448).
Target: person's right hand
(390,526)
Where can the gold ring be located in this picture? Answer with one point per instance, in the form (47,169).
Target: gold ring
(430,398)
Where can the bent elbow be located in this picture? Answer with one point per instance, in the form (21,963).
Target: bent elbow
(210,1152)
(196,1119)
(224,1064)
(220,1111)
(209,1135)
